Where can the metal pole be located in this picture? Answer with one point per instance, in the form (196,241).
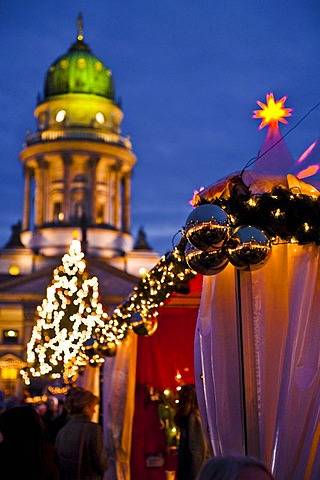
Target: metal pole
(247,364)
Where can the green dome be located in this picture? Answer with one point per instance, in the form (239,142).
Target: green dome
(79,71)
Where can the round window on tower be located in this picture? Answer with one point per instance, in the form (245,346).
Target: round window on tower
(64,64)
(61,115)
(98,66)
(81,63)
(100,118)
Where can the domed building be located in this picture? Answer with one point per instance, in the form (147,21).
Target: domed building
(77,163)
(77,170)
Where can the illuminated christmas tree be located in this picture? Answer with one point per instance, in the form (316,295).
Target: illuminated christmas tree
(72,326)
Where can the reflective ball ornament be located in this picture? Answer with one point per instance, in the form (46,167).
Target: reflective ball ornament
(136,319)
(142,326)
(147,328)
(90,346)
(248,248)
(107,349)
(205,263)
(207,227)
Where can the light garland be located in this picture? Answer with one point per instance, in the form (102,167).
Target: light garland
(37,399)
(58,390)
(284,215)
(169,275)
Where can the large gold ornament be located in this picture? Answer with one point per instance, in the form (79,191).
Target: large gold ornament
(248,248)
(207,227)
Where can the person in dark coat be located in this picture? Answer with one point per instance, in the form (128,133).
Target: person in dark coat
(23,453)
(192,450)
(80,452)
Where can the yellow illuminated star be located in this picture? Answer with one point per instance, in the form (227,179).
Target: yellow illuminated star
(272,112)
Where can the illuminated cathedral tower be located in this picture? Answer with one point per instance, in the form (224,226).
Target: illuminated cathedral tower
(77,166)
(77,177)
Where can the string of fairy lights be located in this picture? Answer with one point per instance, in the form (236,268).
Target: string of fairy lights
(72,327)
(169,275)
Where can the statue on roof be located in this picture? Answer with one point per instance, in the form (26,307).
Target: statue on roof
(142,243)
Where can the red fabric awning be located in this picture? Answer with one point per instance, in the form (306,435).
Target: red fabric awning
(159,358)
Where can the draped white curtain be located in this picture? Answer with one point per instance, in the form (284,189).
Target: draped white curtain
(257,356)
(118,392)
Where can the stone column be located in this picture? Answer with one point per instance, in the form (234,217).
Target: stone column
(45,206)
(110,198)
(93,162)
(117,200)
(67,161)
(27,192)
(126,202)
(39,197)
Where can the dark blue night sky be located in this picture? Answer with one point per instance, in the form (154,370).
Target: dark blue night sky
(188,72)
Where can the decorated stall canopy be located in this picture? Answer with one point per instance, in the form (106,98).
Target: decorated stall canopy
(240,218)
(255,236)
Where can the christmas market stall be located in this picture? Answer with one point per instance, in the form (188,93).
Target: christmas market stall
(140,383)
(255,236)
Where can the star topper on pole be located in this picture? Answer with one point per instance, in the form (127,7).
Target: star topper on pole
(272,112)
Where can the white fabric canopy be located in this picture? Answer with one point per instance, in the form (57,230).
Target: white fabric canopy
(257,361)
(117,389)
(119,380)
